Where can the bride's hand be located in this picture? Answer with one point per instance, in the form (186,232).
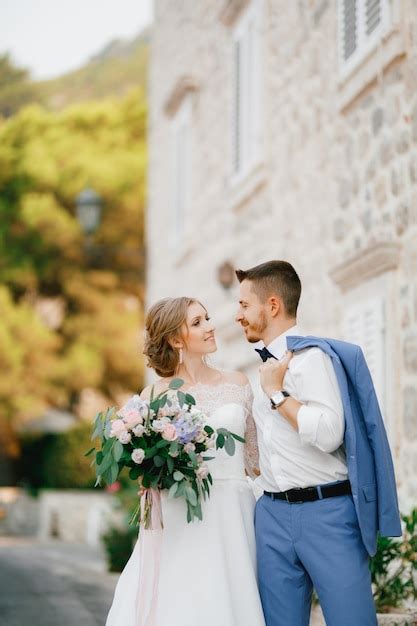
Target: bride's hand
(272,373)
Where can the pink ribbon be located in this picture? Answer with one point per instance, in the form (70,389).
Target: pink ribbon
(150,543)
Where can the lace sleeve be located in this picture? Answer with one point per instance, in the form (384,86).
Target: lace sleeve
(251,445)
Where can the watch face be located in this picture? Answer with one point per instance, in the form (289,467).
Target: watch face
(277,397)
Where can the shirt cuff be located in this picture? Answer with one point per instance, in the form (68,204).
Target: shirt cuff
(308,418)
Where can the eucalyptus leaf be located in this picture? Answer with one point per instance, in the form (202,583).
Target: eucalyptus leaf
(191,496)
(170,464)
(117,450)
(241,439)
(176,383)
(158,460)
(189,399)
(178,475)
(173,490)
(230,446)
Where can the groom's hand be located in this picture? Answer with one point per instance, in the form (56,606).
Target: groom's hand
(272,373)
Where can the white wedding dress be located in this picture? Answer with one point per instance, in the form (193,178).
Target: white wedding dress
(207,568)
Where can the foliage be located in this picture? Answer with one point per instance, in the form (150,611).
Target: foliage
(95,286)
(119,67)
(394,567)
(56,460)
(16,90)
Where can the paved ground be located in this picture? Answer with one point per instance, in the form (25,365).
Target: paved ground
(53,584)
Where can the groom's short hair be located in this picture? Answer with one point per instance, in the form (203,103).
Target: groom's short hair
(275,277)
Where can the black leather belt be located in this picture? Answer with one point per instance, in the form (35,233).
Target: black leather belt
(310,494)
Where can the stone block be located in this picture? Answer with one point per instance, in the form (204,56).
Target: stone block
(410,413)
(410,352)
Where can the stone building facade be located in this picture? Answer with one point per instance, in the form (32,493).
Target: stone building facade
(288,130)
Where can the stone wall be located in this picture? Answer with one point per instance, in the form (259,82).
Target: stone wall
(334,192)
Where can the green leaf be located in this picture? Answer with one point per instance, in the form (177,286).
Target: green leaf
(170,464)
(241,439)
(173,448)
(176,383)
(178,475)
(193,457)
(158,460)
(114,472)
(135,473)
(106,463)
(230,446)
(189,399)
(181,398)
(163,443)
(173,490)
(89,452)
(117,450)
(220,441)
(191,495)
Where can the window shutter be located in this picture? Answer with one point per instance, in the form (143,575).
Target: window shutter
(365,326)
(348,28)
(246,92)
(373,15)
(361,24)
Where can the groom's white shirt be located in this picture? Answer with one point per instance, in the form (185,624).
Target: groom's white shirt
(315,454)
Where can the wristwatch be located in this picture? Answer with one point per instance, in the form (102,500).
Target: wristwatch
(278,398)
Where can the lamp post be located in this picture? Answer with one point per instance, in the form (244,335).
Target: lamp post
(89,207)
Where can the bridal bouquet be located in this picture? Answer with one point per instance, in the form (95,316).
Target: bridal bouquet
(163,442)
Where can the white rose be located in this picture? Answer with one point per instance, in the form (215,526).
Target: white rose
(139,430)
(138,455)
(159,425)
(125,437)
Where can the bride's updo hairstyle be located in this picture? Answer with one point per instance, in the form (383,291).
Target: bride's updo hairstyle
(163,323)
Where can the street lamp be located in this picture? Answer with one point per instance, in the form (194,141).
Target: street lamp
(89,206)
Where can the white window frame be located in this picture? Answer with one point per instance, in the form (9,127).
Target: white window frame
(365,44)
(359,312)
(246,95)
(181,171)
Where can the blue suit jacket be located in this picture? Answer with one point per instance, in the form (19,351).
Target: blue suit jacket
(370,467)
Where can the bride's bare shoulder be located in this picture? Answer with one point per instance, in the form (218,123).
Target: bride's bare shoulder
(157,386)
(237,378)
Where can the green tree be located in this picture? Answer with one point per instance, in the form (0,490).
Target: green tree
(46,159)
(16,89)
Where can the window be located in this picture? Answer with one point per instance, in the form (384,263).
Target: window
(246,93)
(364,325)
(361,25)
(181,171)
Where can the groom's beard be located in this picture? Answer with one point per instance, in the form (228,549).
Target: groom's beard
(255,330)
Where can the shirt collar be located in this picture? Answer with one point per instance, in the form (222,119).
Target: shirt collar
(278,346)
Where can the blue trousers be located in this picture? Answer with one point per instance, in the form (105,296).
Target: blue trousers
(312,544)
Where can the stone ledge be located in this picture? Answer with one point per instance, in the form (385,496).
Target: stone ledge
(231,11)
(373,261)
(182,88)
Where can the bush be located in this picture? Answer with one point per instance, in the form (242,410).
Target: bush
(119,543)
(394,567)
(56,460)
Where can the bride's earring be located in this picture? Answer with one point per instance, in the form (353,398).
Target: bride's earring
(180,356)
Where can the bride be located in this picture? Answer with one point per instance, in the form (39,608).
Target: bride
(207,569)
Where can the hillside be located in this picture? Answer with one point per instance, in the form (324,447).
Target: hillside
(117,68)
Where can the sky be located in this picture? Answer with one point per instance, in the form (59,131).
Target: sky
(51,37)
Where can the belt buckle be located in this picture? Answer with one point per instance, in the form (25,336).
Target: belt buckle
(293,501)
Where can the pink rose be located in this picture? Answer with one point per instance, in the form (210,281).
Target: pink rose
(132,417)
(117,427)
(169,433)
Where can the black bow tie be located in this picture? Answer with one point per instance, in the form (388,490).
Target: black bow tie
(265,354)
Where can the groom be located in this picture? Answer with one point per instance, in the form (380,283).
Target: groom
(326,468)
